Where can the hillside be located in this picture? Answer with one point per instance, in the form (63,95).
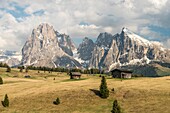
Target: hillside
(138,95)
(149,70)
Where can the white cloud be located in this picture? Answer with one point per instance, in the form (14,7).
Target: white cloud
(166,43)
(65,16)
(158,3)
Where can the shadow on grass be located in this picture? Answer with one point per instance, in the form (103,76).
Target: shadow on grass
(96,92)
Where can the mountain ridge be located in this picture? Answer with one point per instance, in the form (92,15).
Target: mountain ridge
(107,52)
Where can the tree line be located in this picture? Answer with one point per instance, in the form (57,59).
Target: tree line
(67,70)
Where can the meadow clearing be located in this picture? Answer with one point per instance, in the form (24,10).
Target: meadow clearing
(36,94)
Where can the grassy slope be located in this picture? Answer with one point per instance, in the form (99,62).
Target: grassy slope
(151,70)
(143,95)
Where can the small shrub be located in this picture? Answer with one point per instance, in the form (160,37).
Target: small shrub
(104,92)
(26,70)
(8,69)
(21,70)
(113,89)
(57,101)
(5,103)
(1,81)
(116,107)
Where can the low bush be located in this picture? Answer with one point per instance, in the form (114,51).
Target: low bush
(57,101)
(1,81)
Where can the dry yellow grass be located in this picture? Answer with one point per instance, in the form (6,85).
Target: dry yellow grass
(142,95)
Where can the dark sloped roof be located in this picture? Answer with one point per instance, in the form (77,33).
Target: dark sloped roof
(76,73)
(122,70)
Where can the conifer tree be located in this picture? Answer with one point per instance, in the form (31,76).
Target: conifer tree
(116,107)
(8,69)
(104,92)
(5,103)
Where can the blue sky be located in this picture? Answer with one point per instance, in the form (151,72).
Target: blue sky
(83,18)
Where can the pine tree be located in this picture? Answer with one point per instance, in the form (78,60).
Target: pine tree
(5,103)
(8,69)
(104,92)
(116,107)
(1,81)
(20,69)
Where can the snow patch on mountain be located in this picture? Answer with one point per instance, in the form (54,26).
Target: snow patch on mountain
(12,58)
(76,56)
(136,38)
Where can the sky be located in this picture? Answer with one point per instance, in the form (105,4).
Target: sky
(83,18)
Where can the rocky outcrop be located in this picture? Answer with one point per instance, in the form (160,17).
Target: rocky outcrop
(85,49)
(47,47)
(126,48)
(65,43)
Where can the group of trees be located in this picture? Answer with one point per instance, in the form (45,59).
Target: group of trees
(104,93)
(61,69)
(3,64)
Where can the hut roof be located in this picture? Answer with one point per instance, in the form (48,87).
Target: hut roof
(123,70)
(76,73)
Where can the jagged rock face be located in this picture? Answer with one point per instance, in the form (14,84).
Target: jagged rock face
(104,40)
(124,49)
(65,43)
(43,48)
(85,49)
(101,48)
(47,47)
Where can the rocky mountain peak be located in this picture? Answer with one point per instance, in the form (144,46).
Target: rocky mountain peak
(47,47)
(104,39)
(66,43)
(87,40)
(85,49)
(124,29)
(44,32)
(126,48)
(127,34)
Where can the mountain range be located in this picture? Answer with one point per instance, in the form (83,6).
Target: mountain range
(12,58)
(47,47)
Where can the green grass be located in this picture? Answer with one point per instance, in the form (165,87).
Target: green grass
(4,75)
(136,95)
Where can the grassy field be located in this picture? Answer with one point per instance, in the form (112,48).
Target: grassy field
(36,94)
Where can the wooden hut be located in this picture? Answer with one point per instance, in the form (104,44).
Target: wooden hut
(121,73)
(75,75)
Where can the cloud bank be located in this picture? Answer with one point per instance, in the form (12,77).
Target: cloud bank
(81,18)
